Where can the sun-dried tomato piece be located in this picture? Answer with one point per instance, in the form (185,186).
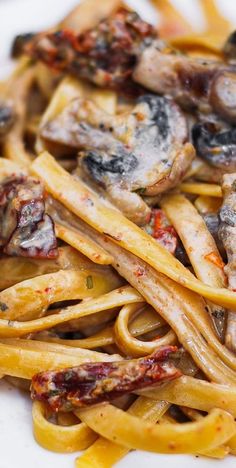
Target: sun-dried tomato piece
(96,382)
(96,53)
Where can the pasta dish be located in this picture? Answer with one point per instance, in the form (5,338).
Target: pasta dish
(118,232)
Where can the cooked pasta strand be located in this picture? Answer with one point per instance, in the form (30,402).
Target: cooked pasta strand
(104,453)
(130,345)
(148,321)
(211,190)
(67,189)
(24,358)
(207,44)
(128,430)
(172,22)
(83,244)
(62,439)
(216,22)
(18,89)
(32,297)
(219,452)
(196,393)
(113,299)
(206,204)
(112,290)
(200,247)
(88,13)
(170,300)
(23,268)
(8,167)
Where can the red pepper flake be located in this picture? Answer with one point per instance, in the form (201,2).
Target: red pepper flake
(160,228)
(48,290)
(160,220)
(167,237)
(140,271)
(215,259)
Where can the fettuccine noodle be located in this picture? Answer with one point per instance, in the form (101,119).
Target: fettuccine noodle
(117,233)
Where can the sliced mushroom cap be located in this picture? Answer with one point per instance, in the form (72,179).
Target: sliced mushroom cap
(223,95)
(227,234)
(7,118)
(216,146)
(19,43)
(230,47)
(140,152)
(212,221)
(196,84)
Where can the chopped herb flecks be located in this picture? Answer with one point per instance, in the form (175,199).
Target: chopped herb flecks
(68,375)
(89,282)
(140,191)
(234,185)
(55,392)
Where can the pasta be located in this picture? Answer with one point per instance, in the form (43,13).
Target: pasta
(117,227)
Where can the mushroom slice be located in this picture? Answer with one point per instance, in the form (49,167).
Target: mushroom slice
(227,234)
(142,152)
(216,146)
(7,118)
(229,48)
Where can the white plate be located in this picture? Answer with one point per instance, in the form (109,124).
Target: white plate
(17,445)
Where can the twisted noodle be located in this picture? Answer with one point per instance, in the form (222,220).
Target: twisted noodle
(58,438)
(176,438)
(115,298)
(146,321)
(132,346)
(104,452)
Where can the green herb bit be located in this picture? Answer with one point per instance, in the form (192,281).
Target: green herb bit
(53,393)
(68,375)
(234,185)
(89,282)
(140,191)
